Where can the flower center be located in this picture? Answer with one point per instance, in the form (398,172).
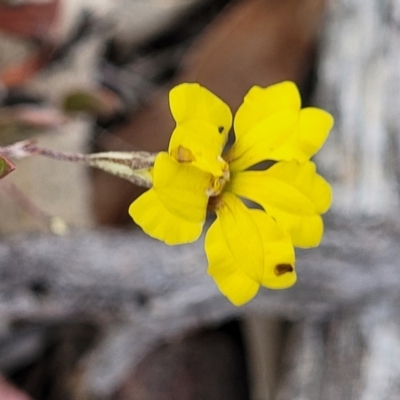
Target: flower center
(217,183)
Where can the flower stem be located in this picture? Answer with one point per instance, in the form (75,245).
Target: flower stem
(133,166)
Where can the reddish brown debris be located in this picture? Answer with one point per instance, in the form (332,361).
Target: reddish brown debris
(9,392)
(31,21)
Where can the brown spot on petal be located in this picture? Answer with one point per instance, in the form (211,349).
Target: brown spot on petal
(183,155)
(281,269)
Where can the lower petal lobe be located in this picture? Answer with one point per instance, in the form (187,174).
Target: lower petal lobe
(227,273)
(162,224)
(246,248)
(293,194)
(174,210)
(181,188)
(306,231)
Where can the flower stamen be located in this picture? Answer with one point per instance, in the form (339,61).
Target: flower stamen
(217,183)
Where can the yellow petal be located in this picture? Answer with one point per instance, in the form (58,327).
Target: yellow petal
(279,257)
(181,188)
(227,273)
(313,129)
(269,125)
(294,194)
(310,134)
(245,248)
(231,280)
(160,223)
(174,210)
(260,143)
(289,185)
(241,235)
(306,231)
(199,143)
(260,103)
(190,101)
(236,286)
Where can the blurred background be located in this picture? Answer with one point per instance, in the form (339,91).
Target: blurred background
(94,75)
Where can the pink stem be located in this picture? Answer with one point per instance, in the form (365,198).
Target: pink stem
(29,148)
(12,190)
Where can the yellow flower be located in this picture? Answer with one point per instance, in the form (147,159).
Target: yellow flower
(246,247)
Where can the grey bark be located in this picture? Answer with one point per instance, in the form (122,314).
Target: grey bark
(302,363)
(108,271)
(146,291)
(354,355)
(359,81)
